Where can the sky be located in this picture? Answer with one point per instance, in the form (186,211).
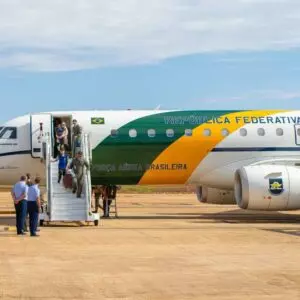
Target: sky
(141,54)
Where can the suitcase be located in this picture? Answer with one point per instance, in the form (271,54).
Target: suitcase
(68,181)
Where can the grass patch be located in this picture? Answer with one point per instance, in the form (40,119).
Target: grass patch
(150,189)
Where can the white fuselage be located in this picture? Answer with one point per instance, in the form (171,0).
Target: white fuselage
(263,142)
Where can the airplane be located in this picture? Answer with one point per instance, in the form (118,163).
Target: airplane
(248,158)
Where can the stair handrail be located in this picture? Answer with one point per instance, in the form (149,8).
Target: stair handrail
(85,146)
(47,160)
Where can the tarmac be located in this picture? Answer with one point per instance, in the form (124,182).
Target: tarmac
(163,246)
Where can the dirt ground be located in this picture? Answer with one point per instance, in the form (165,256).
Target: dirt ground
(163,246)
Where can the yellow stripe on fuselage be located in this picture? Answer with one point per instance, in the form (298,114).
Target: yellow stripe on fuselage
(191,150)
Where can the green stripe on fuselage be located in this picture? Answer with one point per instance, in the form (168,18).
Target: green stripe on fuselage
(124,160)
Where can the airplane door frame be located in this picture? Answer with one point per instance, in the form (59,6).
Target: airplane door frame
(40,131)
(297,134)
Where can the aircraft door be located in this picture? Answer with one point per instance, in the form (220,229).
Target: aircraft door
(41,131)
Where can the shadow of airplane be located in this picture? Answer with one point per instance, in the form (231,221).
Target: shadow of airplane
(11,221)
(232,216)
(236,216)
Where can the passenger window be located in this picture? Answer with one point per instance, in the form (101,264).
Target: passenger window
(243,132)
(279,131)
(170,133)
(8,133)
(132,133)
(298,131)
(225,132)
(207,132)
(114,132)
(188,132)
(261,132)
(151,133)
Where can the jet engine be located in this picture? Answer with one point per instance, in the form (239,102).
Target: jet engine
(215,196)
(268,187)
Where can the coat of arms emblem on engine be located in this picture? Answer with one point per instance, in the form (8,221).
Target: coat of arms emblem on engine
(275,186)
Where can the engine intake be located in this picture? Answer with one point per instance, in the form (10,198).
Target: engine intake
(268,187)
(215,196)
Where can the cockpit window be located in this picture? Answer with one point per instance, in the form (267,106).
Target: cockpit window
(8,133)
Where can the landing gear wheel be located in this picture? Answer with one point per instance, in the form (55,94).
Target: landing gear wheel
(41,223)
(96,222)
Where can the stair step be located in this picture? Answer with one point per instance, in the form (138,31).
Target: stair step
(68,218)
(68,213)
(69,204)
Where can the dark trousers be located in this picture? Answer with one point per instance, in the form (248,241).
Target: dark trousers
(25,224)
(106,206)
(21,211)
(61,173)
(33,211)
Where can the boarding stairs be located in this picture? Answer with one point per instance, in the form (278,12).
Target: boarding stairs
(62,204)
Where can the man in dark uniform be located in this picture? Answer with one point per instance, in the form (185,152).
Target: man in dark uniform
(78,164)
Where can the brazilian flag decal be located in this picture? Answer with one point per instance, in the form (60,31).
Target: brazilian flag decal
(97,121)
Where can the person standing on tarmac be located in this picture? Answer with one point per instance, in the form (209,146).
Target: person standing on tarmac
(34,206)
(19,195)
(98,191)
(110,193)
(77,165)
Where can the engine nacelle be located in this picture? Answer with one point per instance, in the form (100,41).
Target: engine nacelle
(215,196)
(268,187)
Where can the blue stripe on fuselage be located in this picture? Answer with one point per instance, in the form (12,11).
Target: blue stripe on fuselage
(15,153)
(221,149)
